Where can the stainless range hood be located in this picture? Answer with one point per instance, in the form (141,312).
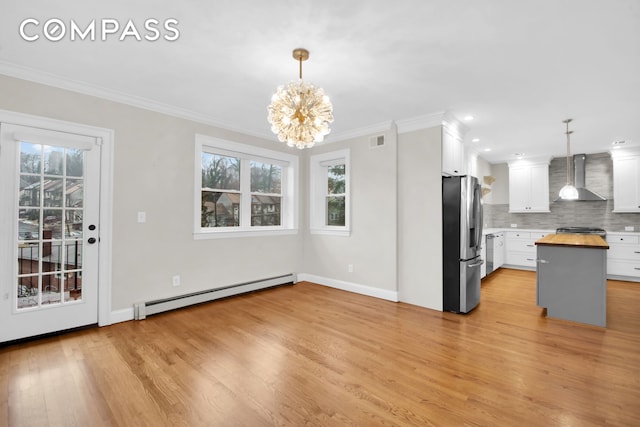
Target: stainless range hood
(584,194)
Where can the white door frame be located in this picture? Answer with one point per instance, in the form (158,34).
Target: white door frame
(106,194)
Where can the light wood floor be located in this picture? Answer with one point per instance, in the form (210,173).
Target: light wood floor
(311,355)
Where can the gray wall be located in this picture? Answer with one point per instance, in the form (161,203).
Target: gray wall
(153,163)
(599,178)
(371,246)
(420,217)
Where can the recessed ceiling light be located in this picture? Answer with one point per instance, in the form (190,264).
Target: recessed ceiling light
(475,140)
(468,118)
(519,156)
(487,149)
(618,142)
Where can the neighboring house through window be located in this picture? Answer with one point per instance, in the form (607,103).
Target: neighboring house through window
(243,190)
(329,199)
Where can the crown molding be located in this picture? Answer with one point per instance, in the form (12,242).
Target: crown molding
(421,122)
(363,131)
(50,79)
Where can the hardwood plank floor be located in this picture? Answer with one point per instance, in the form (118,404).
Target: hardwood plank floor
(312,355)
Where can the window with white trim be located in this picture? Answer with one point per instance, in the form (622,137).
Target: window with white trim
(330,201)
(243,190)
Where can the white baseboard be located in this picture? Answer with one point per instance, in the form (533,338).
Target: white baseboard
(123,315)
(350,287)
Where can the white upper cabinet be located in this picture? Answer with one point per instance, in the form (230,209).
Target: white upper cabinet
(453,162)
(626,181)
(528,187)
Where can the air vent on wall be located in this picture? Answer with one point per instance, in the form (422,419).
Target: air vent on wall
(376,141)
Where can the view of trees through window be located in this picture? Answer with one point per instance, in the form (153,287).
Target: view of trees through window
(222,189)
(336,195)
(266,194)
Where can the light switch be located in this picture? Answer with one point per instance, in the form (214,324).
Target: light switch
(142,217)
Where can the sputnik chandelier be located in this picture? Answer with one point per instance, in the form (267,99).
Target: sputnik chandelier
(299,112)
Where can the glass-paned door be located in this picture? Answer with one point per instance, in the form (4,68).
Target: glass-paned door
(54,224)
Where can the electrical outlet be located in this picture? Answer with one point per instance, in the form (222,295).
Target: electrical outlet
(350,268)
(175,280)
(514,225)
(142,217)
(629,228)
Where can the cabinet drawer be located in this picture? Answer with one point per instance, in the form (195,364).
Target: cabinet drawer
(623,252)
(621,268)
(522,258)
(518,235)
(622,239)
(535,235)
(521,245)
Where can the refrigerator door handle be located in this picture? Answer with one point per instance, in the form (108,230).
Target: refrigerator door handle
(475,264)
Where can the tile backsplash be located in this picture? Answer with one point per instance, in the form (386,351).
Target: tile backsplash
(599,178)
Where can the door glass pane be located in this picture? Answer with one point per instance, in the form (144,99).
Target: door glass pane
(53,223)
(29,190)
(51,288)
(73,255)
(73,193)
(52,256)
(30,157)
(28,258)
(73,286)
(53,159)
(52,192)
(28,224)
(27,292)
(73,224)
(50,225)
(75,160)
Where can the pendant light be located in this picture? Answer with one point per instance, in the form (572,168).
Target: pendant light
(300,112)
(569,191)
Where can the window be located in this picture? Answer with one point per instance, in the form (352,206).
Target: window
(329,210)
(243,190)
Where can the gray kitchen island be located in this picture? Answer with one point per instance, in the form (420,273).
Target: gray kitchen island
(571,277)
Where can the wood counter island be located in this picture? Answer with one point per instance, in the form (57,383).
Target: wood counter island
(572,277)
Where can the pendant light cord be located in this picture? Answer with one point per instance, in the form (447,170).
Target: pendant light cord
(568,151)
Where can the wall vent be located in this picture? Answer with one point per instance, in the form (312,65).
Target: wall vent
(376,141)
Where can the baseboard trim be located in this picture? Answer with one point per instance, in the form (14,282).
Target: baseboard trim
(349,287)
(123,315)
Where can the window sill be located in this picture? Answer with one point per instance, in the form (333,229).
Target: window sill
(226,234)
(331,232)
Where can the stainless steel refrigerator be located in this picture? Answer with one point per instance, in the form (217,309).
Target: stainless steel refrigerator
(461,242)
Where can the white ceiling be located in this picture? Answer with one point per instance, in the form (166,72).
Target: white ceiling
(520,67)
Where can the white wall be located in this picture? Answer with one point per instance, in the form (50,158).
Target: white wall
(396,239)
(500,188)
(154,157)
(371,246)
(420,217)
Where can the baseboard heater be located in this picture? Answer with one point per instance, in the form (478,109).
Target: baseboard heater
(143,309)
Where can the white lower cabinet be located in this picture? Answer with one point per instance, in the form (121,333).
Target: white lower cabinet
(521,247)
(623,256)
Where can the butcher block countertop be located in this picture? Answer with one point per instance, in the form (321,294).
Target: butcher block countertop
(574,240)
